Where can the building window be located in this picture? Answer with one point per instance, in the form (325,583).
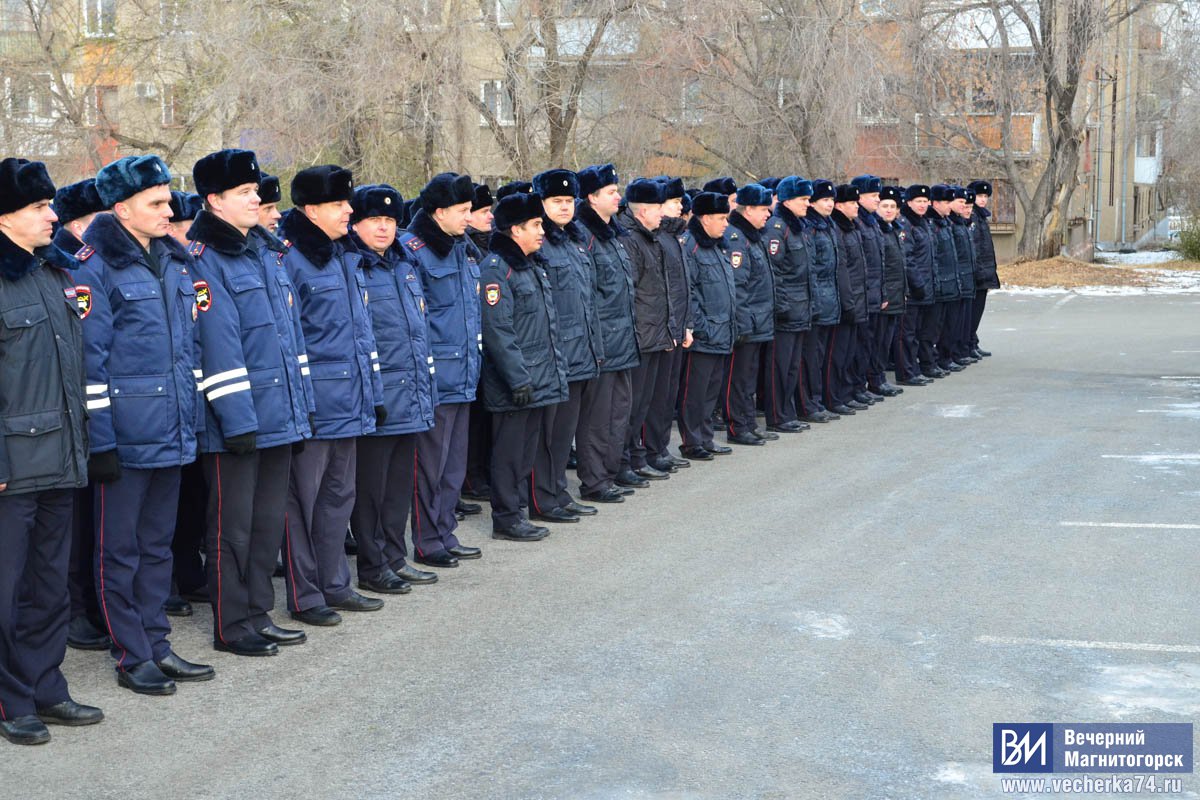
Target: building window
(100,107)
(497,101)
(29,98)
(172,111)
(15,17)
(168,14)
(100,17)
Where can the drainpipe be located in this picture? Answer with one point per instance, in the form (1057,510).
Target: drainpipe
(1127,152)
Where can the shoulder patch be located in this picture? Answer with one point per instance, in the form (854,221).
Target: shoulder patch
(774,247)
(196,249)
(83,299)
(492,294)
(735,258)
(415,244)
(85,252)
(203,295)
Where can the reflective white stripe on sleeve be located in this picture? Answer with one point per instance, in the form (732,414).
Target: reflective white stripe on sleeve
(302,358)
(222,377)
(199,373)
(216,394)
(374,356)
(96,405)
(97,388)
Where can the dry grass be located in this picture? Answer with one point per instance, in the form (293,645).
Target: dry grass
(1068,273)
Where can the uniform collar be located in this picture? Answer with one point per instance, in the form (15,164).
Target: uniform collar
(504,247)
(311,241)
(697,231)
(118,249)
(795,224)
(424,227)
(218,234)
(602,230)
(742,224)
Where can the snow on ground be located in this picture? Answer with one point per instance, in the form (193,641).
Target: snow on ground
(1138,259)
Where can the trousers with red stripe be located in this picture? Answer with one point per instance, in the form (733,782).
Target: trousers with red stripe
(247,501)
(135,523)
(741,381)
(320,499)
(516,437)
(786,352)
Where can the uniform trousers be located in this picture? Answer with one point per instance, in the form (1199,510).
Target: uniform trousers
(81,576)
(885,332)
(439,467)
(548,480)
(904,348)
(479,449)
(516,437)
(785,358)
(320,499)
(703,377)
(382,502)
(931,321)
(977,315)
(839,364)
(649,380)
(816,343)
(603,424)
(663,409)
(739,389)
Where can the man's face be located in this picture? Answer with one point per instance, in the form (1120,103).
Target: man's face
(528,235)
(237,206)
(824,206)
(377,233)
(606,201)
(966,210)
(560,210)
(888,210)
(332,218)
(756,215)
(481,220)
(941,207)
(269,216)
(179,231)
(714,224)
(981,200)
(919,205)
(673,208)
(869,201)
(78,226)
(30,227)
(650,215)
(849,209)
(797,205)
(733,201)
(148,213)
(453,219)
(959,206)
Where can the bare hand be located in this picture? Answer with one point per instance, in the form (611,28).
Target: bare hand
(687,339)
(885,305)
(3,486)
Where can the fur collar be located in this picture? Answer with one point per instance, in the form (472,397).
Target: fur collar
(16,263)
(816,221)
(268,239)
(633,224)
(117,247)
(841,220)
(306,237)
(673,226)
(868,217)
(604,231)
(370,259)
(912,216)
(504,247)
(424,227)
(742,224)
(697,231)
(66,241)
(795,224)
(217,234)
(554,234)
(982,212)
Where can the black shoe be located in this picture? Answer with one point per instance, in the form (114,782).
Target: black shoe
(952,366)
(318,615)
(83,635)
(462,552)
(745,438)
(767,436)
(468,508)
(442,560)
(351,546)
(624,490)
(484,494)
(631,480)
(68,712)
(580,510)
(609,495)
(413,575)
(680,463)
(145,678)
(460,516)
(919,380)
(843,411)
(558,514)
(979,352)
(718,449)
(523,531)
(651,474)
(856,405)
(817,417)
(868,398)
(387,583)
(178,669)
(666,465)
(967,360)
(252,644)
(284,637)
(696,453)
(176,606)
(25,730)
(357,602)
(791,426)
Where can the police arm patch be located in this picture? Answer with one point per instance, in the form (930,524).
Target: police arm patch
(492,294)
(735,258)
(83,298)
(203,295)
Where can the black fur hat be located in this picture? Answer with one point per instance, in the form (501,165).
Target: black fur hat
(644,190)
(846,193)
(980,187)
(77,201)
(891,193)
(688,196)
(821,189)
(378,200)
(674,186)
(867,184)
(770,183)
(594,178)
(23,183)
(447,189)
(556,183)
(327,183)
(269,190)
(916,190)
(513,187)
(185,206)
(127,176)
(517,208)
(707,203)
(225,169)
(483,197)
(724,186)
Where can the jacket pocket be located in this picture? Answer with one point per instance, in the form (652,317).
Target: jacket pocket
(334,386)
(36,445)
(250,296)
(142,409)
(272,403)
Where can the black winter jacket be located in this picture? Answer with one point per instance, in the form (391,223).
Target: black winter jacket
(894,281)
(823,269)
(851,273)
(653,313)
(614,288)
(574,284)
(713,294)
(752,277)
(986,276)
(916,237)
(788,246)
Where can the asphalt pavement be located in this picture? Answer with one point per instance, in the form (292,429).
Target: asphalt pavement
(840,614)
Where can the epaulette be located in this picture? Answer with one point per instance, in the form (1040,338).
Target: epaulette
(733,235)
(196,249)
(415,244)
(85,252)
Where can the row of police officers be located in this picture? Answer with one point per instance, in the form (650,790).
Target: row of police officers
(204,386)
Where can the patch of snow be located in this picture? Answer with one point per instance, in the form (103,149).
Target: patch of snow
(824,626)
(1138,259)
(1139,689)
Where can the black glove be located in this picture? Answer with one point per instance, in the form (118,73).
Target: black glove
(741,339)
(380,416)
(104,467)
(522,396)
(297,447)
(312,423)
(243,444)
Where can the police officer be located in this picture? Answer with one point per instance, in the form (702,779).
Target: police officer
(479,224)
(788,245)
(523,367)
(713,315)
(841,373)
(755,305)
(985,260)
(654,323)
(573,282)
(43,457)
(479,428)
(868,336)
(916,236)
(184,208)
(893,288)
(269,195)
(935,361)
(724,186)
(344,369)
(449,277)
(76,205)
(604,412)
(140,308)
(256,399)
(951,345)
(826,303)
(384,475)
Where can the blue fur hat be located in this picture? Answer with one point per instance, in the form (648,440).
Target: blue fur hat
(224,170)
(594,178)
(644,190)
(556,183)
(822,189)
(724,186)
(269,190)
(940,192)
(754,194)
(185,206)
(127,176)
(707,203)
(378,200)
(516,209)
(327,183)
(77,200)
(867,184)
(445,190)
(792,187)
